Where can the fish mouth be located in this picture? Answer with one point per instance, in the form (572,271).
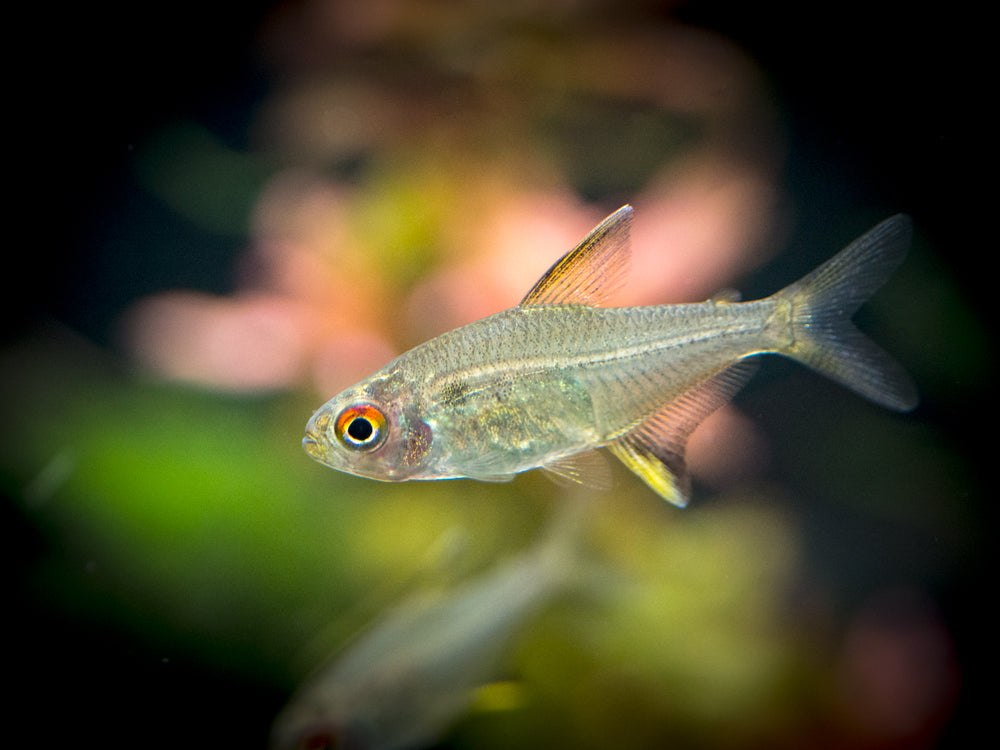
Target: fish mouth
(312,446)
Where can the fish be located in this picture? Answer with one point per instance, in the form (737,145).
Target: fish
(417,669)
(548,383)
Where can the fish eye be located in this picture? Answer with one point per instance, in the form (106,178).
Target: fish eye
(361,427)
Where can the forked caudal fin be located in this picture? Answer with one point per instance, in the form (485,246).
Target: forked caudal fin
(821,306)
(816,311)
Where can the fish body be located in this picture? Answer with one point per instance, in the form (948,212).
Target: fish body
(402,683)
(545,383)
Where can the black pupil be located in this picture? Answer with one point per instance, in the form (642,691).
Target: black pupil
(360,429)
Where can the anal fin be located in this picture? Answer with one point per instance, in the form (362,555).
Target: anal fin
(655,449)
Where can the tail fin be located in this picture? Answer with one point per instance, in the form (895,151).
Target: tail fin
(823,302)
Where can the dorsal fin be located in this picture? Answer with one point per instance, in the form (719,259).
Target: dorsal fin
(655,449)
(593,270)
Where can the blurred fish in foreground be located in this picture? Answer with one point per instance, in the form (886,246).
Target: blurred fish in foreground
(543,384)
(408,678)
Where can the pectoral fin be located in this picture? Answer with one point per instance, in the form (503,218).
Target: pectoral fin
(589,273)
(655,449)
(486,477)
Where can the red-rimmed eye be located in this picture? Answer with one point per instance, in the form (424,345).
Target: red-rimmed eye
(361,427)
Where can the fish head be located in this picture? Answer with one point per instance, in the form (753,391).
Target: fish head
(373,430)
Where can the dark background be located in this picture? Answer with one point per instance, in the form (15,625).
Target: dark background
(890,94)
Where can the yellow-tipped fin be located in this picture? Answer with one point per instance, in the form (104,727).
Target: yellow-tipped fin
(655,449)
(592,271)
